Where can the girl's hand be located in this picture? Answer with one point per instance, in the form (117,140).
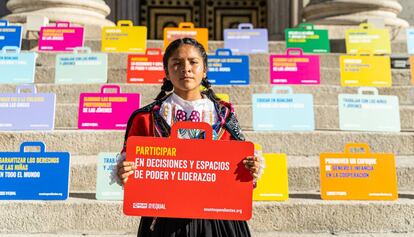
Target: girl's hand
(125,169)
(252,163)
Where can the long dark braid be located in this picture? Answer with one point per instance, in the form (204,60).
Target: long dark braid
(167,86)
(209,91)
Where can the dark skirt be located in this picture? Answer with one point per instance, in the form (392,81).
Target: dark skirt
(176,227)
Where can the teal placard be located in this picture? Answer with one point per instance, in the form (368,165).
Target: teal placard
(369,112)
(17,67)
(106,189)
(308,39)
(283,112)
(81,68)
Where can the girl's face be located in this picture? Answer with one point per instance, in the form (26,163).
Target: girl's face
(186,69)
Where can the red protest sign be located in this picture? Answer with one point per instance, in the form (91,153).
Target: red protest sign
(183,178)
(146,68)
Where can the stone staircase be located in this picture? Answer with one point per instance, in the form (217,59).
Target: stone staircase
(303,215)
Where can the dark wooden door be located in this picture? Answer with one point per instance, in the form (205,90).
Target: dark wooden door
(215,15)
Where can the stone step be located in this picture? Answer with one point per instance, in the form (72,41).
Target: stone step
(88,142)
(239,95)
(303,173)
(254,234)
(258,76)
(274,46)
(337,45)
(120,60)
(303,213)
(326,117)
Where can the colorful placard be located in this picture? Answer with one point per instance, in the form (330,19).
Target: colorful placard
(358,176)
(308,39)
(227,69)
(368,38)
(369,112)
(186,30)
(61,37)
(10,35)
(295,68)
(221,96)
(106,110)
(283,112)
(125,37)
(146,68)
(365,70)
(273,185)
(34,175)
(81,68)
(174,179)
(16,66)
(27,111)
(410,41)
(106,188)
(224,97)
(246,40)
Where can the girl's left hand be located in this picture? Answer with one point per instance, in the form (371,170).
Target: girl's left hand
(252,163)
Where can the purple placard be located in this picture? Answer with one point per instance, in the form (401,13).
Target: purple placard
(246,40)
(106,110)
(61,37)
(27,111)
(294,68)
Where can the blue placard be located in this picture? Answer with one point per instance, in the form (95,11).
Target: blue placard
(410,41)
(27,111)
(106,188)
(17,67)
(283,112)
(246,40)
(10,35)
(78,68)
(369,112)
(227,69)
(34,175)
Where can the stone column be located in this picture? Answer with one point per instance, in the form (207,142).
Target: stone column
(89,13)
(338,15)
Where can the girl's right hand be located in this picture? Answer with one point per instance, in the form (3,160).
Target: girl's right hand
(125,169)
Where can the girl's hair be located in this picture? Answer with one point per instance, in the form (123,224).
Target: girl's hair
(167,86)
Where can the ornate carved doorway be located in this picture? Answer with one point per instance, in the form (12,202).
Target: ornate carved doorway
(215,15)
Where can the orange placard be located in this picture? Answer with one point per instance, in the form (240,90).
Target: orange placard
(189,178)
(146,68)
(186,30)
(412,69)
(358,176)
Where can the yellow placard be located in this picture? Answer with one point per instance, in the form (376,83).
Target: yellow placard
(359,70)
(368,38)
(186,30)
(224,97)
(358,176)
(273,185)
(412,69)
(125,37)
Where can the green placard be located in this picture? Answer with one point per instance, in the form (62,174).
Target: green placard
(106,189)
(308,39)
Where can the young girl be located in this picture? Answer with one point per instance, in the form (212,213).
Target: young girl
(180,99)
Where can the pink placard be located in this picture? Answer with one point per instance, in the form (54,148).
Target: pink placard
(61,37)
(106,110)
(294,68)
